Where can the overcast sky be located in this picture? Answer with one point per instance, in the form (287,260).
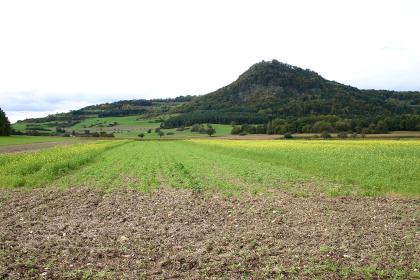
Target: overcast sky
(61,55)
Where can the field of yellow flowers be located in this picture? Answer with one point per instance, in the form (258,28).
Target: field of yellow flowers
(34,169)
(337,167)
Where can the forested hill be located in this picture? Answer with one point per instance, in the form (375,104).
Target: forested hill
(276,96)
(270,90)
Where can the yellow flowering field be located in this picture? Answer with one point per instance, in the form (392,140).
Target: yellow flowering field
(36,168)
(377,166)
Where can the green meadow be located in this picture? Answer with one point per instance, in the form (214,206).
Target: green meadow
(333,167)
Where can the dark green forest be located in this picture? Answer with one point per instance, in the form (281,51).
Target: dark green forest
(4,124)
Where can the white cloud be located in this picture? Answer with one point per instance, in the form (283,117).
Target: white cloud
(89,51)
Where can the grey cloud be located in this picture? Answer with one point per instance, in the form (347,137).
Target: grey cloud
(33,101)
(28,104)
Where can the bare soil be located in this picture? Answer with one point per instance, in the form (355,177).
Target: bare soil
(85,233)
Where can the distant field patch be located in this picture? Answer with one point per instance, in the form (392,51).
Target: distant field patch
(17,140)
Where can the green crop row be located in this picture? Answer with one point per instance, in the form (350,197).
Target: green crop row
(35,169)
(302,167)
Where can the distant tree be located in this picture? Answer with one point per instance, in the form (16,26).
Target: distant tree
(344,125)
(321,126)
(195,128)
(157,129)
(261,129)
(288,135)
(4,124)
(141,135)
(161,133)
(381,126)
(149,130)
(270,128)
(307,128)
(210,131)
(342,135)
(236,129)
(325,135)
(364,132)
(251,129)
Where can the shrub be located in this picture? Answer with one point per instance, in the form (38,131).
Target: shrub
(201,128)
(195,128)
(170,133)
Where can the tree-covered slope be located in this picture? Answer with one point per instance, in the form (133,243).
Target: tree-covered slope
(275,88)
(270,90)
(269,93)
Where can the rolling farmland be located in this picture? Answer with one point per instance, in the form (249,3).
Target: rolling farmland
(122,127)
(204,208)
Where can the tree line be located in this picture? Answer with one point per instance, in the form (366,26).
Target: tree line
(220,117)
(5,128)
(332,123)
